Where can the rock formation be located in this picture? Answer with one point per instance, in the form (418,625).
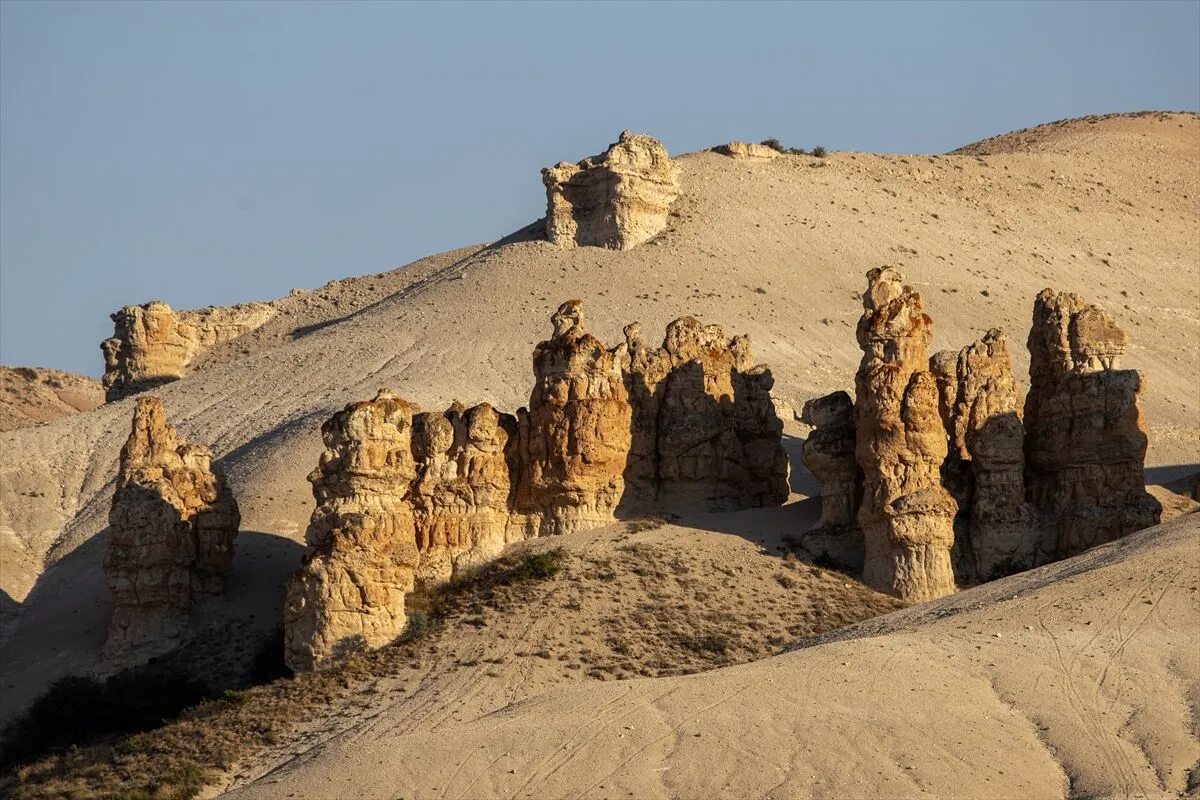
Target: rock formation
(829,455)
(362,546)
(463,496)
(617,199)
(906,514)
(576,434)
(406,499)
(747,151)
(984,470)
(172,526)
(152,345)
(706,435)
(1086,440)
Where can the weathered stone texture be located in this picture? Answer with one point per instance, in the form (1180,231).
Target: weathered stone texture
(1086,438)
(981,403)
(617,199)
(829,455)
(152,345)
(747,151)
(706,435)
(172,526)
(577,432)
(406,499)
(906,514)
(362,544)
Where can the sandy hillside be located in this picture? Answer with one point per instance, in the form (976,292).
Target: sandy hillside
(1079,679)
(1109,208)
(30,396)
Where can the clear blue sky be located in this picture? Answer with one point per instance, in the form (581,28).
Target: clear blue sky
(213,153)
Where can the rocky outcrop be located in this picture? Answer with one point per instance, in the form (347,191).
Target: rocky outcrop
(1086,440)
(362,547)
(706,435)
(981,403)
(576,435)
(406,499)
(152,345)
(171,532)
(30,396)
(747,151)
(463,496)
(829,455)
(906,514)
(617,199)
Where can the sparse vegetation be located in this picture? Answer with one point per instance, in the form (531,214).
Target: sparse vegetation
(819,151)
(777,146)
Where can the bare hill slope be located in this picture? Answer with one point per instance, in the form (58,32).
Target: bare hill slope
(1075,679)
(776,249)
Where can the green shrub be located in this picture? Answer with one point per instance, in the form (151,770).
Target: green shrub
(773,143)
(819,151)
(538,566)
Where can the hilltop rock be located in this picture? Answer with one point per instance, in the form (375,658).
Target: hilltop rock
(31,396)
(906,514)
(152,345)
(617,199)
(981,403)
(576,435)
(1086,434)
(747,151)
(172,524)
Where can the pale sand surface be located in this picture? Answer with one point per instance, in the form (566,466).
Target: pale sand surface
(1110,209)
(1079,679)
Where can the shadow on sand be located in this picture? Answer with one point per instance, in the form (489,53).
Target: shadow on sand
(60,628)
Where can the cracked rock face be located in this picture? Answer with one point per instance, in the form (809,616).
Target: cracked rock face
(617,199)
(576,435)
(406,499)
(706,435)
(906,514)
(152,345)
(172,525)
(829,456)
(982,405)
(362,544)
(1086,438)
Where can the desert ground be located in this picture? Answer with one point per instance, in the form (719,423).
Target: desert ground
(1078,679)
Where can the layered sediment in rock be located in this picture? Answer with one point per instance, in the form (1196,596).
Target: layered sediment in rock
(1086,440)
(152,345)
(617,199)
(906,514)
(829,455)
(407,498)
(981,403)
(362,545)
(172,527)
(706,435)
(577,433)
(747,151)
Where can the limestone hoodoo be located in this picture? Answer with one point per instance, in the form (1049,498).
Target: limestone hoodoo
(906,514)
(1086,439)
(172,526)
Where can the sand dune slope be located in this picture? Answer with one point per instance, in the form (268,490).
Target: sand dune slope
(1079,679)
